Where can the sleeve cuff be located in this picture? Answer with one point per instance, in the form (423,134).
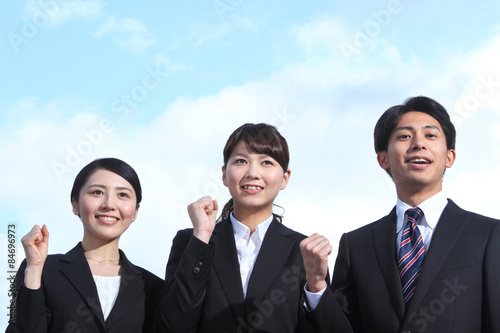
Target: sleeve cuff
(312,299)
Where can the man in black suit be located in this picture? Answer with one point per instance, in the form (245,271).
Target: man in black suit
(434,269)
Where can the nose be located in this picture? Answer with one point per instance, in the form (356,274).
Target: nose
(418,142)
(108,203)
(253,171)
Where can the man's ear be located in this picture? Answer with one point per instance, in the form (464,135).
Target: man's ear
(450,158)
(382,160)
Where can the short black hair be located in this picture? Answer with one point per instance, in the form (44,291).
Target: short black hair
(389,120)
(114,165)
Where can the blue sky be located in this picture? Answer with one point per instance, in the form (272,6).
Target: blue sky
(163,84)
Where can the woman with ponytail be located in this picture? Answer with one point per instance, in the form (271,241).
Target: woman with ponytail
(244,271)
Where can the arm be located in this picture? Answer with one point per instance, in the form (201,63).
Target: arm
(491,290)
(31,314)
(188,269)
(185,282)
(327,315)
(343,286)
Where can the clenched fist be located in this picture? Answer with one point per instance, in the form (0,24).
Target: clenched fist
(315,251)
(203,214)
(36,246)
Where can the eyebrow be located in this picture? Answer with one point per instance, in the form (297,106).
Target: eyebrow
(247,155)
(119,188)
(411,128)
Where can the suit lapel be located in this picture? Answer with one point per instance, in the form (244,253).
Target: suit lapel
(272,257)
(384,238)
(131,287)
(450,226)
(77,271)
(227,267)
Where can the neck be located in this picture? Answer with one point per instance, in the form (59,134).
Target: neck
(99,249)
(415,196)
(251,218)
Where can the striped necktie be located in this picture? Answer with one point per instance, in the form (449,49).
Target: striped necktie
(411,253)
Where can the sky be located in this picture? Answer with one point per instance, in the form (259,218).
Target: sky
(162,85)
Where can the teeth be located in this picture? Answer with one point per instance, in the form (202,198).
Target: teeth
(107,218)
(252,187)
(418,160)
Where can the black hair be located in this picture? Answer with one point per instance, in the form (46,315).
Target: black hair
(115,165)
(389,120)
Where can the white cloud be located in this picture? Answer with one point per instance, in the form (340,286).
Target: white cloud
(57,12)
(201,36)
(131,34)
(161,59)
(326,110)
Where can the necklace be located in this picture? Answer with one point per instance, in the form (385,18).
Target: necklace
(101,261)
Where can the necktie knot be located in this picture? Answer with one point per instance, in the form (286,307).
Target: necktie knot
(414,214)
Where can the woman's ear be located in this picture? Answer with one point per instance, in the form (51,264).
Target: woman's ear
(76,209)
(286,178)
(224,179)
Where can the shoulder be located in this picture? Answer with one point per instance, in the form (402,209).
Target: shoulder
(184,233)
(384,224)
(130,268)
(286,231)
(148,276)
(477,219)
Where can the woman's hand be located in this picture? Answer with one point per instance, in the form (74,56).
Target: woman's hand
(203,214)
(315,251)
(36,245)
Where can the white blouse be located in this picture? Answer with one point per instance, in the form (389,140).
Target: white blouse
(107,290)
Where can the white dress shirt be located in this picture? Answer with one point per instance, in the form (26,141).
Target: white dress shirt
(432,209)
(107,290)
(248,247)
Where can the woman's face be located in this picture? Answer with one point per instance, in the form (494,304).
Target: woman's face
(107,205)
(254,180)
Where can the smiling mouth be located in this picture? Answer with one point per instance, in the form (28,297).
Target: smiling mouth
(248,187)
(418,161)
(107,218)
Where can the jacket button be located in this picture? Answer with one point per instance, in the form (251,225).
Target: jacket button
(196,270)
(199,264)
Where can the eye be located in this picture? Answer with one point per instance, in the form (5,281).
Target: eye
(240,161)
(267,162)
(97,192)
(123,195)
(404,136)
(431,135)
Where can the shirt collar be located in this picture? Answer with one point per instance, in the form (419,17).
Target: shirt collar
(432,208)
(241,230)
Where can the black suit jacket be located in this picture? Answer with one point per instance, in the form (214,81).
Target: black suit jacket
(458,289)
(68,300)
(204,290)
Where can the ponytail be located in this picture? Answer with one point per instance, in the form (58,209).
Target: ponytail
(228,208)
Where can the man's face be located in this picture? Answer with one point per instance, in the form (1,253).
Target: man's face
(417,155)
